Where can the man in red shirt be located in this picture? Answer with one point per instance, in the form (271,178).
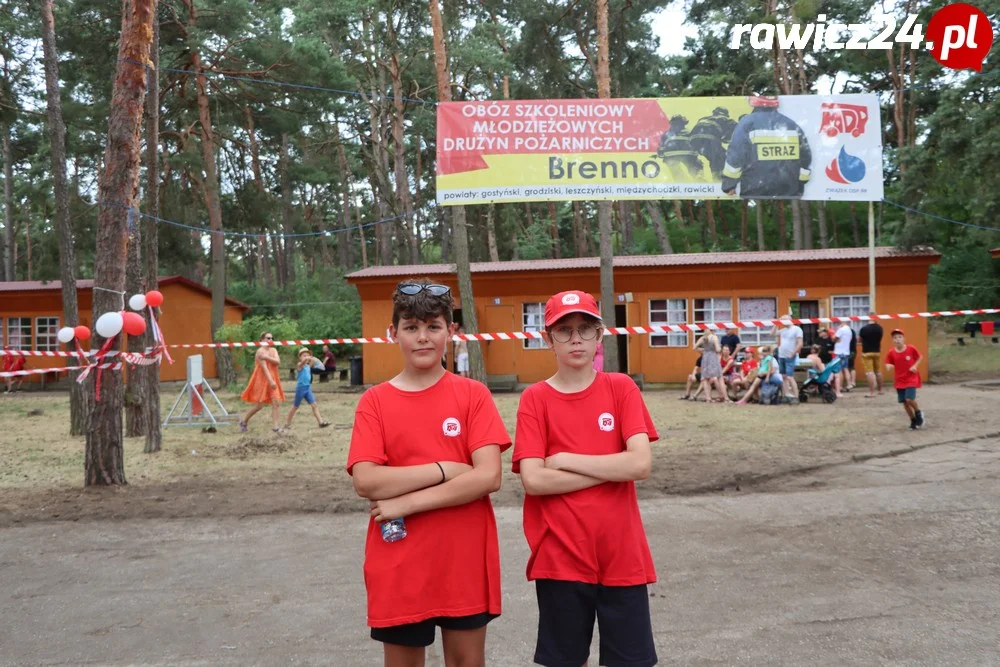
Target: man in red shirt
(426,452)
(904,361)
(13,363)
(582,440)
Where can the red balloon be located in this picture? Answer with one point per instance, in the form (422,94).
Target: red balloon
(154,299)
(134,324)
(82,333)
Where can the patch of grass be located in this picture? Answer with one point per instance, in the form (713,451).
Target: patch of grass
(979,357)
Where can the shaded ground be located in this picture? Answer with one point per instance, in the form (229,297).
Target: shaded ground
(892,561)
(703,447)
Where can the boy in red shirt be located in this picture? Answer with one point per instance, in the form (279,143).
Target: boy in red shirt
(426,449)
(904,361)
(11,364)
(582,440)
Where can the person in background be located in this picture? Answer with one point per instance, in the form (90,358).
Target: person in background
(767,372)
(825,342)
(790,344)
(303,388)
(462,355)
(815,360)
(711,367)
(747,372)
(732,341)
(11,364)
(265,384)
(329,361)
(693,380)
(854,355)
(871,355)
(599,357)
(842,349)
(904,362)
(730,370)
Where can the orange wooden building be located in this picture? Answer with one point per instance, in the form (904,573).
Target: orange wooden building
(657,289)
(31,314)
(996,253)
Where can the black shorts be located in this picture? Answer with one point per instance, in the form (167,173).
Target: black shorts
(422,633)
(566,613)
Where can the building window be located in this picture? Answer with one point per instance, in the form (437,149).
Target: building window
(762,308)
(19,333)
(45,334)
(668,311)
(533,319)
(712,310)
(851,305)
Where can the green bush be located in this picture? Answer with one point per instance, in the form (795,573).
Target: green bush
(251,329)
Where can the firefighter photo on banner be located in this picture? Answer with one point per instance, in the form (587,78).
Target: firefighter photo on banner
(768,156)
(811,147)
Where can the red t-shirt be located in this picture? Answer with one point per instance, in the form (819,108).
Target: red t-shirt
(903,361)
(748,366)
(449,562)
(13,362)
(595,535)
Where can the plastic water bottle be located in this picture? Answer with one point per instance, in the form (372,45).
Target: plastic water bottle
(393,531)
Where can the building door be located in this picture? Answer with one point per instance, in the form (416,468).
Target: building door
(499,354)
(807,310)
(633,341)
(621,320)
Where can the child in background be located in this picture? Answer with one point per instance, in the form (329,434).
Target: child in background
(904,361)
(303,388)
(426,450)
(462,355)
(582,440)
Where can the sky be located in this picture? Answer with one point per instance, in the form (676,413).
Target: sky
(670,27)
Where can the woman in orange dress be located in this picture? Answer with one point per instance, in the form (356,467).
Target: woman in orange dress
(265,384)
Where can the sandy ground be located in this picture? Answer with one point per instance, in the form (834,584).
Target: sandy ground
(703,448)
(888,561)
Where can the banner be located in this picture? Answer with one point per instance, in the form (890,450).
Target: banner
(787,147)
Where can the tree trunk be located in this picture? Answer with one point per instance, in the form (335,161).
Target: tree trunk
(824,240)
(678,213)
(761,245)
(660,225)
(119,183)
(579,232)
(27,247)
(399,153)
(604,207)
(141,276)
(855,231)
(345,251)
(477,366)
(8,201)
(628,226)
(782,234)
(807,224)
(744,213)
(364,242)
(149,376)
(491,233)
(796,224)
(554,218)
(713,233)
(223,357)
(287,211)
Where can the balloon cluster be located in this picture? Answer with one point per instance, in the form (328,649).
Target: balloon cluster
(111,324)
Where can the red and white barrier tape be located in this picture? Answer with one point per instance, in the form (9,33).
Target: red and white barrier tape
(62,369)
(522,335)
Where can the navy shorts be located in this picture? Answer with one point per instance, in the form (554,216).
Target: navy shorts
(908,394)
(422,633)
(566,613)
(303,393)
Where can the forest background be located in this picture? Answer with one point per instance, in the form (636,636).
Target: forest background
(306,182)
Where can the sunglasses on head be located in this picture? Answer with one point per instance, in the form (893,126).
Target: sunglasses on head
(412,289)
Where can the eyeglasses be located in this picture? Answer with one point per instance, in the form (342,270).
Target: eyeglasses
(565,334)
(269,338)
(412,289)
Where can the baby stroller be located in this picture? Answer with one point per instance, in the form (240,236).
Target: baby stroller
(821,384)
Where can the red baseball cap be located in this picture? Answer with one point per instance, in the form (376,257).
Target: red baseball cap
(898,331)
(574,301)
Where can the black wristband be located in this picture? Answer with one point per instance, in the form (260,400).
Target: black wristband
(444,477)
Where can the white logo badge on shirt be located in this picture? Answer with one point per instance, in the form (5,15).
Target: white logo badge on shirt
(571,299)
(606,422)
(451,427)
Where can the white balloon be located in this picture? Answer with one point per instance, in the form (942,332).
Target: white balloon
(109,325)
(137,302)
(66,334)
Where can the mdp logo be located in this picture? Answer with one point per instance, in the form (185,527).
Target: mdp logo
(846,168)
